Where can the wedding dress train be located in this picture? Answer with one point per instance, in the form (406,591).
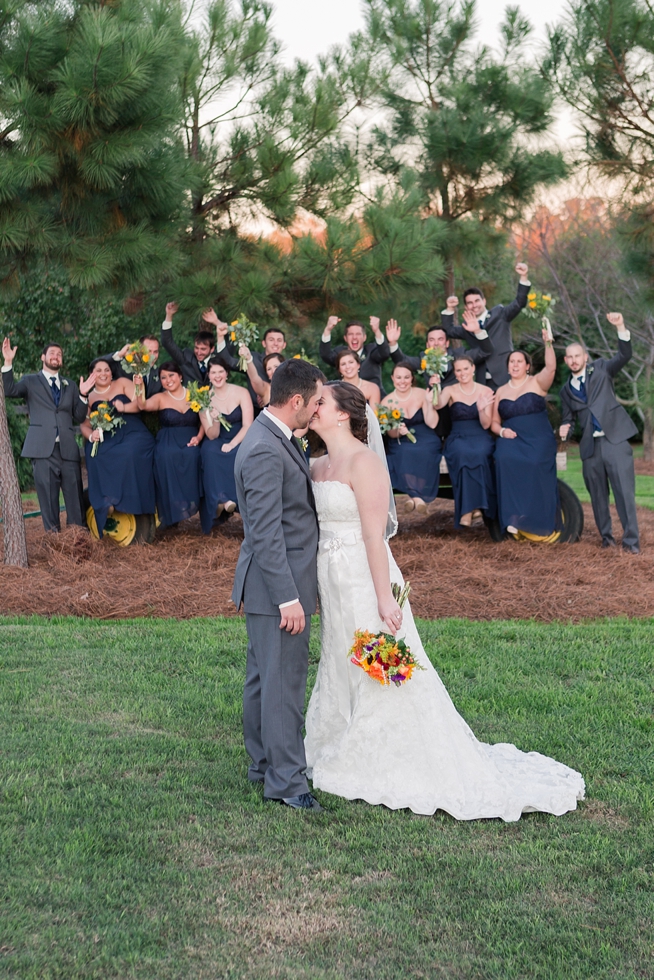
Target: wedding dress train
(406,746)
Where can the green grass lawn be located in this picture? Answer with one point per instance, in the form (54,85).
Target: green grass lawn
(573,476)
(133,845)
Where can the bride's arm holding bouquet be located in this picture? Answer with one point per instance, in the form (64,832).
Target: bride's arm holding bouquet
(369,480)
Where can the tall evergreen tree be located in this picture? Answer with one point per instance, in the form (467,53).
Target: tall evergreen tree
(464,121)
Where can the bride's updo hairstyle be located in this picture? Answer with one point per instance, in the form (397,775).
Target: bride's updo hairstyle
(351,400)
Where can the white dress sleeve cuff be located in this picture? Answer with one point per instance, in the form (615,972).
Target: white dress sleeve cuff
(326,337)
(7,367)
(622,335)
(167,325)
(283,605)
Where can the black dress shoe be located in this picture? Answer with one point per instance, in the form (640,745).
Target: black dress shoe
(303,802)
(631,549)
(608,543)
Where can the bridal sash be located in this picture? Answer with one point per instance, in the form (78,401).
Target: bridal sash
(334,545)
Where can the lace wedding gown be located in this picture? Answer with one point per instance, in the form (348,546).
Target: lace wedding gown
(407,746)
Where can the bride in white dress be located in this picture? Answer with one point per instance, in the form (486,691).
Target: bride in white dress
(406,746)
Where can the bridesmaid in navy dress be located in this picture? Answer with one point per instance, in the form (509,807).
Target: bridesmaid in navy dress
(525,453)
(469,446)
(120,474)
(414,467)
(177,449)
(218,449)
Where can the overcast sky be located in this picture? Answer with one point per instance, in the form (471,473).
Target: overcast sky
(308,28)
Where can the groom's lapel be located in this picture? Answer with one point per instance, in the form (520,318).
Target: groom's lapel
(290,445)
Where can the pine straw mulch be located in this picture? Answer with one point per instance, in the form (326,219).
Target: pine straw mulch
(184,574)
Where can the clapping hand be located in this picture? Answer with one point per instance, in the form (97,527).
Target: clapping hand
(171,310)
(331,323)
(393,332)
(8,352)
(86,386)
(616,320)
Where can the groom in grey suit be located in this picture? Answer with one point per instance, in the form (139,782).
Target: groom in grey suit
(276,581)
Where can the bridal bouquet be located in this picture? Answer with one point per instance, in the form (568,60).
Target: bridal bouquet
(137,360)
(434,361)
(103,419)
(391,418)
(199,398)
(384,658)
(244,333)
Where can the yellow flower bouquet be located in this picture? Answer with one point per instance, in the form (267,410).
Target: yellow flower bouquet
(103,419)
(137,360)
(199,398)
(390,418)
(538,305)
(243,333)
(435,360)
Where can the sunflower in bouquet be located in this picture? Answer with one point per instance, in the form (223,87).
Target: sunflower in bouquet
(137,359)
(103,419)
(435,360)
(243,333)
(199,398)
(391,418)
(538,305)
(383,657)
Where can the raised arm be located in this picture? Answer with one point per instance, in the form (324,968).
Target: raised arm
(429,410)
(545,378)
(326,353)
(13,388)
(259,386)
(512,309)
(618,361)
(167,341)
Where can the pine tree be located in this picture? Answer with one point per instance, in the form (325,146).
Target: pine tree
(461,120)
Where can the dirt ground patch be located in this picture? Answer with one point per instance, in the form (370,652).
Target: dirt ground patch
(185,574)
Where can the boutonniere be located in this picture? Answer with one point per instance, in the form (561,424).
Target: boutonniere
(304,443)
(64,382)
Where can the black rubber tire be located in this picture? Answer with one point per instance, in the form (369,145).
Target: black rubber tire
(145,528)
(572,514)
(495,529)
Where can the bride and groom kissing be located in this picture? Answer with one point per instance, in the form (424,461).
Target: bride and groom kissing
(324,531)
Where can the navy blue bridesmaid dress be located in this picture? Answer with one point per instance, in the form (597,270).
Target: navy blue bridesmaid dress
(469,454)
(415,467)
(121,472)
(177,466)
(525,467)
(218,484)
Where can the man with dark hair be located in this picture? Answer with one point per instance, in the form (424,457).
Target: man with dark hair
(151,379)
(606,455)
(276,581)
(371,356)
(494,323)
(273,342)
(194,363)
(55,406)
(436,337)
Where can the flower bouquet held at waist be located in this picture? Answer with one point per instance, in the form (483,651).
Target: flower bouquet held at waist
(243,333)
(435,360)
(199,398)
(384,658)
(137,360)
(390,419)
(103,419)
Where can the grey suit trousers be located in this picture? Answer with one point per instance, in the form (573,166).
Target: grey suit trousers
(51,475)
(612,463)
(273,706)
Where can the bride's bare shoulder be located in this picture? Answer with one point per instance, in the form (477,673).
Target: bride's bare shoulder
(366,462)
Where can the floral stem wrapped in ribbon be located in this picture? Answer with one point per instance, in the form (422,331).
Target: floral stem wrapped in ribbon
(390,419)
(103,419)
(137,360)
(199,398)
(244,333)
(384,658)
(435,361)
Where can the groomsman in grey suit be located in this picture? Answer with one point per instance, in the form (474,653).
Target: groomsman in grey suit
(276,581)
(606,455)
(494,323)
(55,405)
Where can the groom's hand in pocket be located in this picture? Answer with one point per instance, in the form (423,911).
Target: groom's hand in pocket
(293,620)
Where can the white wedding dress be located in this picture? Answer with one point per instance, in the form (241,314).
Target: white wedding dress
(406,746)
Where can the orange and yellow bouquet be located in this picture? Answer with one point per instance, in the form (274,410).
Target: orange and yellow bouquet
(384,658)
(538,305)
(104,418)
(391,418)
(137,360)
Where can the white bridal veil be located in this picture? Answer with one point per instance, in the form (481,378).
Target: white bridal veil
(376,443)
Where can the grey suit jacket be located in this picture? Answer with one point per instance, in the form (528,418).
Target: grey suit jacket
(498,327)
(47,420)
(277,562)
(601,402)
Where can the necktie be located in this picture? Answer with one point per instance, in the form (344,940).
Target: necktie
(56,392)
(203,368)
(583,394)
